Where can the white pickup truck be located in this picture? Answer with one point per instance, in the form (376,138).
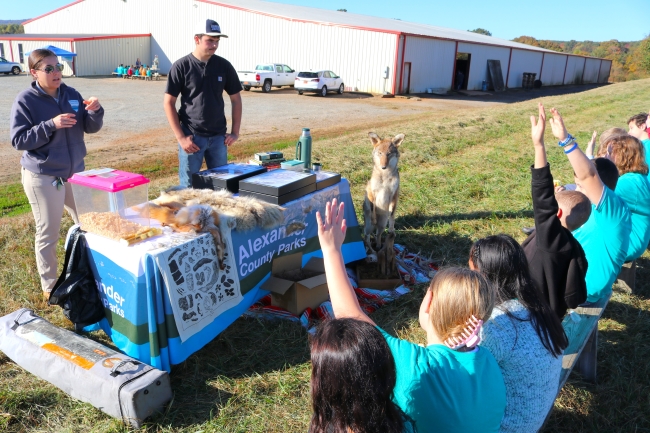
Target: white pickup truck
(267,76)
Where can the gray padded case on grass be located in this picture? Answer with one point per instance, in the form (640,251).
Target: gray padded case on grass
(86,370)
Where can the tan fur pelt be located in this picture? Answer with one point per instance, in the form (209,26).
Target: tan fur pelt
(248,212)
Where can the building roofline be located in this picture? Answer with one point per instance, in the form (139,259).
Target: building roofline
(380,30)
(300,20)
(397,33)
(53,37)
(51,12)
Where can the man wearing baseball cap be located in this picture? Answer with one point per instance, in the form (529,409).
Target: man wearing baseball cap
(200,126)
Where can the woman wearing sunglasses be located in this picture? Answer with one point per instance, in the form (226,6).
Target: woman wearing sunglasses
(48,122)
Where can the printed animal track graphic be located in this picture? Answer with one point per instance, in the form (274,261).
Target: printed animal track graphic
(190,316)
(227,281)
(177,275)
(200,278)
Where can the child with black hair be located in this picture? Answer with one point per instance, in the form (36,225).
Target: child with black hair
(522,331)
(452,384)
(352,380)
(557,261)
(605,236)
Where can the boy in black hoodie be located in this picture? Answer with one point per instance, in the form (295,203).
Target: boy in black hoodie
(557,261)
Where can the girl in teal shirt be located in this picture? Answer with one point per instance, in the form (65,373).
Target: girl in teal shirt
(628,153)
(451,384)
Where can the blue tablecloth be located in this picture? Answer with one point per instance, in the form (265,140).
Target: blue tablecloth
(139,315)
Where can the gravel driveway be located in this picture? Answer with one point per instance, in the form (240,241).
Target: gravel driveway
(135,125)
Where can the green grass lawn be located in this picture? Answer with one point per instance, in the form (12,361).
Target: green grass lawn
(465,174)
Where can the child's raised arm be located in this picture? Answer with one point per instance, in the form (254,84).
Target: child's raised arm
(537,134)
(331,234)
(591,150)
(585,171)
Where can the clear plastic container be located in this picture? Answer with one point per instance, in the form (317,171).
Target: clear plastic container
(112,203)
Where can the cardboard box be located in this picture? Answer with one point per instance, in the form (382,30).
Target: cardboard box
(225,176)
(296,296)
(293,195)
(277,182)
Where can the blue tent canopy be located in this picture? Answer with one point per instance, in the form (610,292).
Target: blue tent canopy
(58,51)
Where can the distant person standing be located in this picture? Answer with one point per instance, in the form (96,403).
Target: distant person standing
(138,63)
(48,123)
(460,78)
(200,125)
(155,63)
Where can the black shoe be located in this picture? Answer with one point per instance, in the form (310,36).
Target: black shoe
(528,230)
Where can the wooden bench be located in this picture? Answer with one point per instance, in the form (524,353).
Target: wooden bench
(583,341)
(581,327)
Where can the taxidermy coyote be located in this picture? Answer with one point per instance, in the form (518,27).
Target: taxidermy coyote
(382,193)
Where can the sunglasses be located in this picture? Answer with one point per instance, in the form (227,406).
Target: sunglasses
(49,68)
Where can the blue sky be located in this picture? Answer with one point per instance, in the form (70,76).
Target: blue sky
(629,20)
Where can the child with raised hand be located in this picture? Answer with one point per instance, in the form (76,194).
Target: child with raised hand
(521,332)
(628,154)
(605,236)
(352,380)
(451,385)
(557,262)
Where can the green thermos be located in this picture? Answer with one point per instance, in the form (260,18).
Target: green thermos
(303,148)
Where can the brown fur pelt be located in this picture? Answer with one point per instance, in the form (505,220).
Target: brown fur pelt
(247,212)
(194,218)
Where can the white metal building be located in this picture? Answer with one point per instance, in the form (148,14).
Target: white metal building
(96,54)
(371,54)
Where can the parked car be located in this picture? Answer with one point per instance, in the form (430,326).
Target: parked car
(319,82)
(6,67)
(267,76)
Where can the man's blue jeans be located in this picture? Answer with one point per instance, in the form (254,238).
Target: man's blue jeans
(212,148)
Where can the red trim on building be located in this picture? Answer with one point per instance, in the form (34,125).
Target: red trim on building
(395,65)
(508,73)
(51,12)
(565,65)
(90,38)
(11,49)
(401,71)
(453,74)
(541,67)
(93,38)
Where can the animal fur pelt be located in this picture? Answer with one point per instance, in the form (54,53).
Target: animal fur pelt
(248,212)
(193,218)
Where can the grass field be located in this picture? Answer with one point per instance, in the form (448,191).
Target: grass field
(464,175)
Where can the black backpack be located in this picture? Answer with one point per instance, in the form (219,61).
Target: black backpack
(75,291)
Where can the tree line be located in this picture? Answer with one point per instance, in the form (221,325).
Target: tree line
(10,29)
(630,60)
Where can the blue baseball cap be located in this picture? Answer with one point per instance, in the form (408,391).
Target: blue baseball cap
(212,29)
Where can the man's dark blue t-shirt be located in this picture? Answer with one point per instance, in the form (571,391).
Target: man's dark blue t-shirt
(201,87)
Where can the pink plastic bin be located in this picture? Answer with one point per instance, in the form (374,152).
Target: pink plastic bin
(110,202)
